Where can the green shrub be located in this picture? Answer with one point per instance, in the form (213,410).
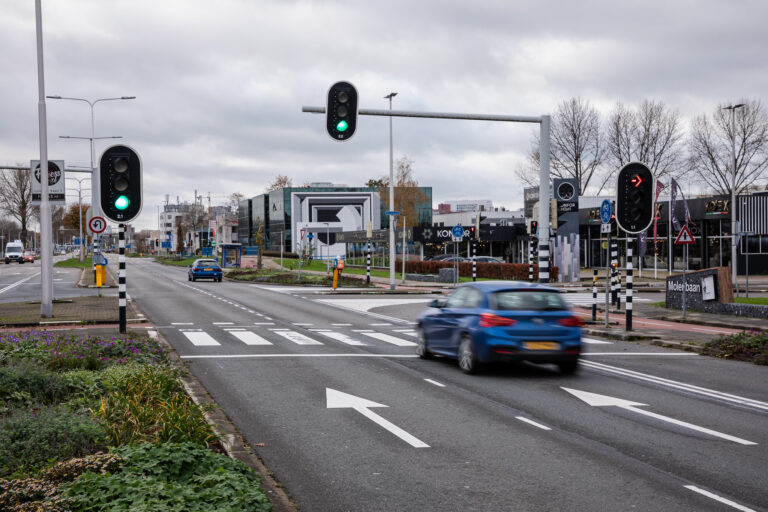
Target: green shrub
(503,271)
(68,470)
(170,477)
(31,439)
(749,346)
(30,495)
(149,404)
(25,384)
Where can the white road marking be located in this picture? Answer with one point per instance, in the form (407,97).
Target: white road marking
(593,341)
(223,323)
(368,304)
(301,324)
(389,339)
(263,323)
(182,323)
(661,354)
(677,385)
(338,400)
(17,283)
(342,325)
(339,336)
(200,339)
(247,356)
(379,325)
(531,422)
(718,498)
(435,383)
(597,400)
(297,338)
(249,338)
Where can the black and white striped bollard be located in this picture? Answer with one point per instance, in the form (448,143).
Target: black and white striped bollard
(544,263)
(614,271)
(530,261)
(368,265)
(629,287)
(121,278)
(474,260)
(594,296)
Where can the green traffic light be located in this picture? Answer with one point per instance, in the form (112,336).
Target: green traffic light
(122,202)
(342,126)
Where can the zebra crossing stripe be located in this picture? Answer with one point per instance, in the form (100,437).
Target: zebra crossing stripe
(200,339)
(340,336)
(250,338)
(297,338)
(389,339)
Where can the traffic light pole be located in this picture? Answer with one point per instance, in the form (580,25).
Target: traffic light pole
(121,278)
(544,125)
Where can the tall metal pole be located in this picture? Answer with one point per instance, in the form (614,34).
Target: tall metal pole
(544,200)
(391,200)
(46,251)
(734,229)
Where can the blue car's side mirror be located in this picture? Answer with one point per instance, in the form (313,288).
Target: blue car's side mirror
(437,303)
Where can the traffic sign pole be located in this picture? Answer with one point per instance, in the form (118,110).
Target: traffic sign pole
(121,278)
(630,244)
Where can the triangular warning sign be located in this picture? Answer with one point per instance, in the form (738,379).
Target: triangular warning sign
(684,237)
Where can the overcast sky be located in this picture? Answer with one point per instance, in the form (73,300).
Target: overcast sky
(219,85)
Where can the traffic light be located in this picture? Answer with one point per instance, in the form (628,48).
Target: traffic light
(120,184)
(634,198)
(341,111)
(534,228)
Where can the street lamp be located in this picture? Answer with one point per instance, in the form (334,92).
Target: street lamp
(80,211)
(734,229)
(391,199)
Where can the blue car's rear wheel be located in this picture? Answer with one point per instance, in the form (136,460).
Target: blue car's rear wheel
(467,356)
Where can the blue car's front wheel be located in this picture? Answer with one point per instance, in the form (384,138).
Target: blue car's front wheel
(421,344)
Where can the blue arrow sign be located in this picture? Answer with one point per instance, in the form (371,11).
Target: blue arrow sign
(606,209)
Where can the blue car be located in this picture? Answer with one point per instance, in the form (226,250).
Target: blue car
(492,321)
(204,269)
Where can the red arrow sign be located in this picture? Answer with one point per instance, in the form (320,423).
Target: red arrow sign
(684,237)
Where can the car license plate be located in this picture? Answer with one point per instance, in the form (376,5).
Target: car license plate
(541,345)
(206,270)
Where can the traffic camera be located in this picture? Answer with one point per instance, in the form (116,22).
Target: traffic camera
(341,111)
(120,184)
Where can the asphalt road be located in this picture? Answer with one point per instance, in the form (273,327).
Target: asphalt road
(21,283)
(351,420)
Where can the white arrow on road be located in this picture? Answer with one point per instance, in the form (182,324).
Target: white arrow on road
(338,400)
(596,400)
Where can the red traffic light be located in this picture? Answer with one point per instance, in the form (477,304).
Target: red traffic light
(636,180)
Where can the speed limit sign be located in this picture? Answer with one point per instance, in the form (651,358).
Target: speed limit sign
(97,224)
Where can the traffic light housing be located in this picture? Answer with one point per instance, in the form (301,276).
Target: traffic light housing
(634,198)
(341,111)
(120,184)
(534,228)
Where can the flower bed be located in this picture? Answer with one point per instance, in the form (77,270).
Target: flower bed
(65,399)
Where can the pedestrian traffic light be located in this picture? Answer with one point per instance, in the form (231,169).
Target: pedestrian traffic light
(634,197)
(341,111)
(120,184)
(534,227)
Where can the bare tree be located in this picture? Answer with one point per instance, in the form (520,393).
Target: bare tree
(280,182)
(576,147)
(410,199)
(651,134)
(710,147)
(16,197)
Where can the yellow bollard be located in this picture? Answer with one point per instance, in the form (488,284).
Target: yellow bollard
(103,274)
(335,278)
(99,276)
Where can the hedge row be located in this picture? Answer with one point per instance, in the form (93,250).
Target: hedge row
(505,271)
(276,254)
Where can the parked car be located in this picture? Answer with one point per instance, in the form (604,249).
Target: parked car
(453,259)
(29,257)
(205,269)
(501,321)
(488,259)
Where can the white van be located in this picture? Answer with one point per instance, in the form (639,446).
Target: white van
(14,251)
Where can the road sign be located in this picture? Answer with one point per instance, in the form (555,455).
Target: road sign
(457,231)
(606,209)
(684,237)
(56,184)
(97,224)
(605,228)
(392,212)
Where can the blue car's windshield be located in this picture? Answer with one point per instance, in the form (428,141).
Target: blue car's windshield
(527,300)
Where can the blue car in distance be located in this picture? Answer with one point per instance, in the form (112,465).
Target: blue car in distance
(492,321)
(204,269)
